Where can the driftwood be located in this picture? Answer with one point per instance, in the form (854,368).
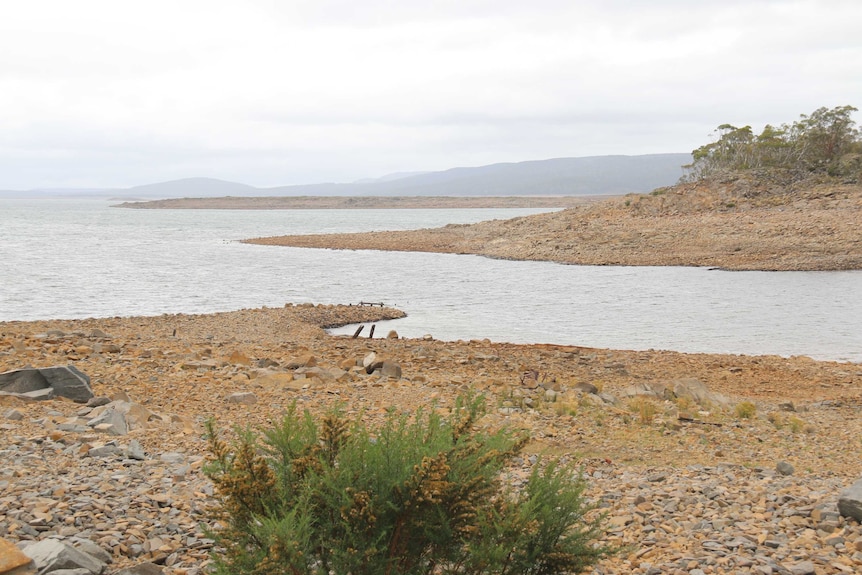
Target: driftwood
(685,419)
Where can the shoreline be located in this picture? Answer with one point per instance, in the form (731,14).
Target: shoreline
(362,202)
(682,477)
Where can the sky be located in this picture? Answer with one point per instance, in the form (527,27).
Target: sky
(277,92)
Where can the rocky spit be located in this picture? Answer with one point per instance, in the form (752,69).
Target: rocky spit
(734,224)
(704,464)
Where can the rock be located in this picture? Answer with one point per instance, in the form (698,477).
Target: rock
(372,361)
(13,561)
(109,420)
(79,571)
(392,334)
(803,568)
(68,381)
(697,391)
(135,451)
(22,380)
(243,398)
(103,451)
(391,369)
(239,358)
(585,387)
(98,401)
(50,555)
(639,389)
(63,381)
(850,501)
(141,569)
(784,468)
(307,360)
(172,457)
(43,394)
(369,359)
(13,415)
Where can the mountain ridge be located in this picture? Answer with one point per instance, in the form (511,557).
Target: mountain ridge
(589,175)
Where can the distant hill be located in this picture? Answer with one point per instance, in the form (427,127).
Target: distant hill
(194,187)
(596,175)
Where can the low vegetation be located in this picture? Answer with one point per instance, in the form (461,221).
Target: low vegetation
(421,494)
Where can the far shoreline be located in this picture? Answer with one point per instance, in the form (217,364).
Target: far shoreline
(362,202)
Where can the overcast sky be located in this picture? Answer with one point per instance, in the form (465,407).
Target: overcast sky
(274,92)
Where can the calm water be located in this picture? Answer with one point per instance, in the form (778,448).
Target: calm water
(74,259)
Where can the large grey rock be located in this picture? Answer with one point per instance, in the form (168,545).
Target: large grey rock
(31,383)
(69,381)
(51,555)
(22,380)
(850,501)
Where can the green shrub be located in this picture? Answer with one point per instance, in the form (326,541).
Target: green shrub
(419,495)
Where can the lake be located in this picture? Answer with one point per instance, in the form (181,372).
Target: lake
(81,258)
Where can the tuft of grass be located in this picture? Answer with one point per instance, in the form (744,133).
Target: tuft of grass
(746,410)
(644,409)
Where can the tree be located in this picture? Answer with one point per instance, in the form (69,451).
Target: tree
(816,143)
(824,136)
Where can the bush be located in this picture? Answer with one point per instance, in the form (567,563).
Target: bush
(419,495)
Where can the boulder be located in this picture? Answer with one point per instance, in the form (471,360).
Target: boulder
(22,380)
(850,501)
(64,381)
(69,381)
(51,555)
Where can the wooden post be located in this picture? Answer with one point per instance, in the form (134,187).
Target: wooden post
(358,331)
(371,333)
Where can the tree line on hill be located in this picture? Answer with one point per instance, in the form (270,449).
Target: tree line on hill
(825,142)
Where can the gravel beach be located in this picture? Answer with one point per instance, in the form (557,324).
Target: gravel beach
(704,463)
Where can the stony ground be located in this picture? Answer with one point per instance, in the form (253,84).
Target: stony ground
(691,485)
(732,224)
